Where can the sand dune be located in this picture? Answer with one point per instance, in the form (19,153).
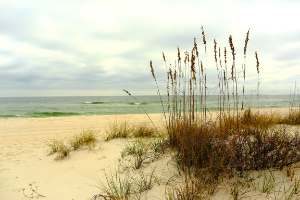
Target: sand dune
(24,159)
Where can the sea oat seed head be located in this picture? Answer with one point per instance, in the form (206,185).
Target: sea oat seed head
(231,46)
(246,42)
(204,41)
(257,62)
(178,54)
(201,67)
(152,70)
(171,75)
(127,92)
(215,50)
(225,55)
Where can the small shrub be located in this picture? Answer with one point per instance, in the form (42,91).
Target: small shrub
(34,192)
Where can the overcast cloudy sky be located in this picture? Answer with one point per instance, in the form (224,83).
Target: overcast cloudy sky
(97,48)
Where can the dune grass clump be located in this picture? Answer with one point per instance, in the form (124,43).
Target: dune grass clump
(60,148)
(118,187)
(63,149)
(138,150)
(125,187)
(121,130)
(159,145)
(143,130)
(143,150)
(87,137)
(249,119)
(292,119)
(125,130)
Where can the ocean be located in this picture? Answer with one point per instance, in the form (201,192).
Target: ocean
(40,107)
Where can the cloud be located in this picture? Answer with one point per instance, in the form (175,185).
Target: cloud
(102,47)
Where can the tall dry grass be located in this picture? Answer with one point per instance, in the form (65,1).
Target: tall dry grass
(237,140)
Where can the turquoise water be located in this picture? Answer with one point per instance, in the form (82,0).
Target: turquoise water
(39,107)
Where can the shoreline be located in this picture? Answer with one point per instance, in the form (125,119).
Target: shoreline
(16,130)
(69,114)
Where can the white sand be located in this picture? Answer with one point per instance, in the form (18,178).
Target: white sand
(24,159)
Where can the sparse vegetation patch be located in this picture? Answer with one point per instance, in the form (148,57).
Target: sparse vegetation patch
(63,149)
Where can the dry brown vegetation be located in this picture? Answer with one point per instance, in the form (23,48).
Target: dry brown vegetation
(236,143)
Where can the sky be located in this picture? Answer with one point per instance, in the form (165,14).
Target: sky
(99,48)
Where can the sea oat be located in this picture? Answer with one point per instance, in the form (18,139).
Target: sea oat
(246,42)
(203,36)
(152,70)
(257,62)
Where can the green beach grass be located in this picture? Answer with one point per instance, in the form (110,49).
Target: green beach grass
(63,149)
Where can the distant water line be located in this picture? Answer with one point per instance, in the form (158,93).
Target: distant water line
(40,107)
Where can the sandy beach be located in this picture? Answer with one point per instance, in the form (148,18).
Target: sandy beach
(24,156)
